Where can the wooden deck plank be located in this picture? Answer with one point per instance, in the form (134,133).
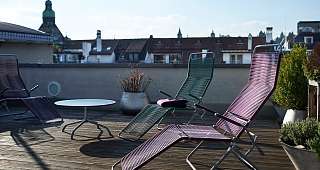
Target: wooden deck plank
(24,145)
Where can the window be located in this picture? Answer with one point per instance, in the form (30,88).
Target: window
(130,57)
(306,29)
(308,40)
(134,57)
(159,59)
(239,59)
(175,58)
(232,59)
(236,59)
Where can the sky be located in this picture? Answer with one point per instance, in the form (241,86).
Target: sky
(80,19)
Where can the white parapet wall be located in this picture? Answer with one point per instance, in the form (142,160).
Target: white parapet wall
(102,81)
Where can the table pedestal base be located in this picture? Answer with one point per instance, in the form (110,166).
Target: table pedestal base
(83,121)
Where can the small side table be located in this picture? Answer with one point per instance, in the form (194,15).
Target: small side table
(85,103)
(313,102)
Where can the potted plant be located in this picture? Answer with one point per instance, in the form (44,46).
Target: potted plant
(134,97)
(301,142)
(291,89)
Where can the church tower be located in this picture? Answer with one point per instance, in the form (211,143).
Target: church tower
(48,24)
(179,35)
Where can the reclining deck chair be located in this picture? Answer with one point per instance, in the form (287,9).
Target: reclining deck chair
(231,124)
(12,87)
(200,72)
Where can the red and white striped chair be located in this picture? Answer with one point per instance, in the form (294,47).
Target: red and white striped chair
(231,124)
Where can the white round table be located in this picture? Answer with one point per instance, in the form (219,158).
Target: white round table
(85,103)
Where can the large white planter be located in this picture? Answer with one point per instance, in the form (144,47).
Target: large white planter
(294,115)
(132,103)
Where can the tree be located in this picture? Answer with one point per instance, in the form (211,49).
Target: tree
(290,39)
(292,85)
(280,38)
(262,34)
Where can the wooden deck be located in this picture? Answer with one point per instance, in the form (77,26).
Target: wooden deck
(27,145)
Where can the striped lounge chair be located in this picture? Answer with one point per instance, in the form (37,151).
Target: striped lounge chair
(230,125)
(12,88)
(200,73)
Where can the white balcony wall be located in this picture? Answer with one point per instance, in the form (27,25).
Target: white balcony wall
(102,58)
(103,81)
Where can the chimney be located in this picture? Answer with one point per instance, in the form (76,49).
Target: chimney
(249,42)
(99,43)
(269,35)
(86,48)
(212,35)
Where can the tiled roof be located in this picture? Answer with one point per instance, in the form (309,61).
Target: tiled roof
(17,33)
(8,27)
(136,46)
(199,43)
(300,22)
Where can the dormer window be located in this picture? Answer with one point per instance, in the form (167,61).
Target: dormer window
(308,40)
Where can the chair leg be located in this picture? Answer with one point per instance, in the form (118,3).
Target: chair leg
(253,139)
(195,113)
(159,122)
(114,165)
(191,153)
(218,162)
(243,158)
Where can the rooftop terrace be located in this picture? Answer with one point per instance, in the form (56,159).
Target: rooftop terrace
(25,144)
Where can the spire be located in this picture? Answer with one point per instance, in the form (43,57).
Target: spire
(48,25)
(179,35)
(212,35)
(48,14)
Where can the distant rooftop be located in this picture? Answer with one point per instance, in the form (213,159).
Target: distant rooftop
(13,32)
(8,27)
(308,22)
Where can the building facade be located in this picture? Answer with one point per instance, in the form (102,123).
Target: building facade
(227,50)
(308,33)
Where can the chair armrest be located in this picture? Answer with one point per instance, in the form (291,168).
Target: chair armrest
(219,115)
(34,87)
(240,117)
(164,93)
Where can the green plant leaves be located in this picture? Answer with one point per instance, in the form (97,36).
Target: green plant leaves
(292,85)
(305,132)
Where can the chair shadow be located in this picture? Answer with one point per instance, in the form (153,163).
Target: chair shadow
(30,136)
(114,148)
